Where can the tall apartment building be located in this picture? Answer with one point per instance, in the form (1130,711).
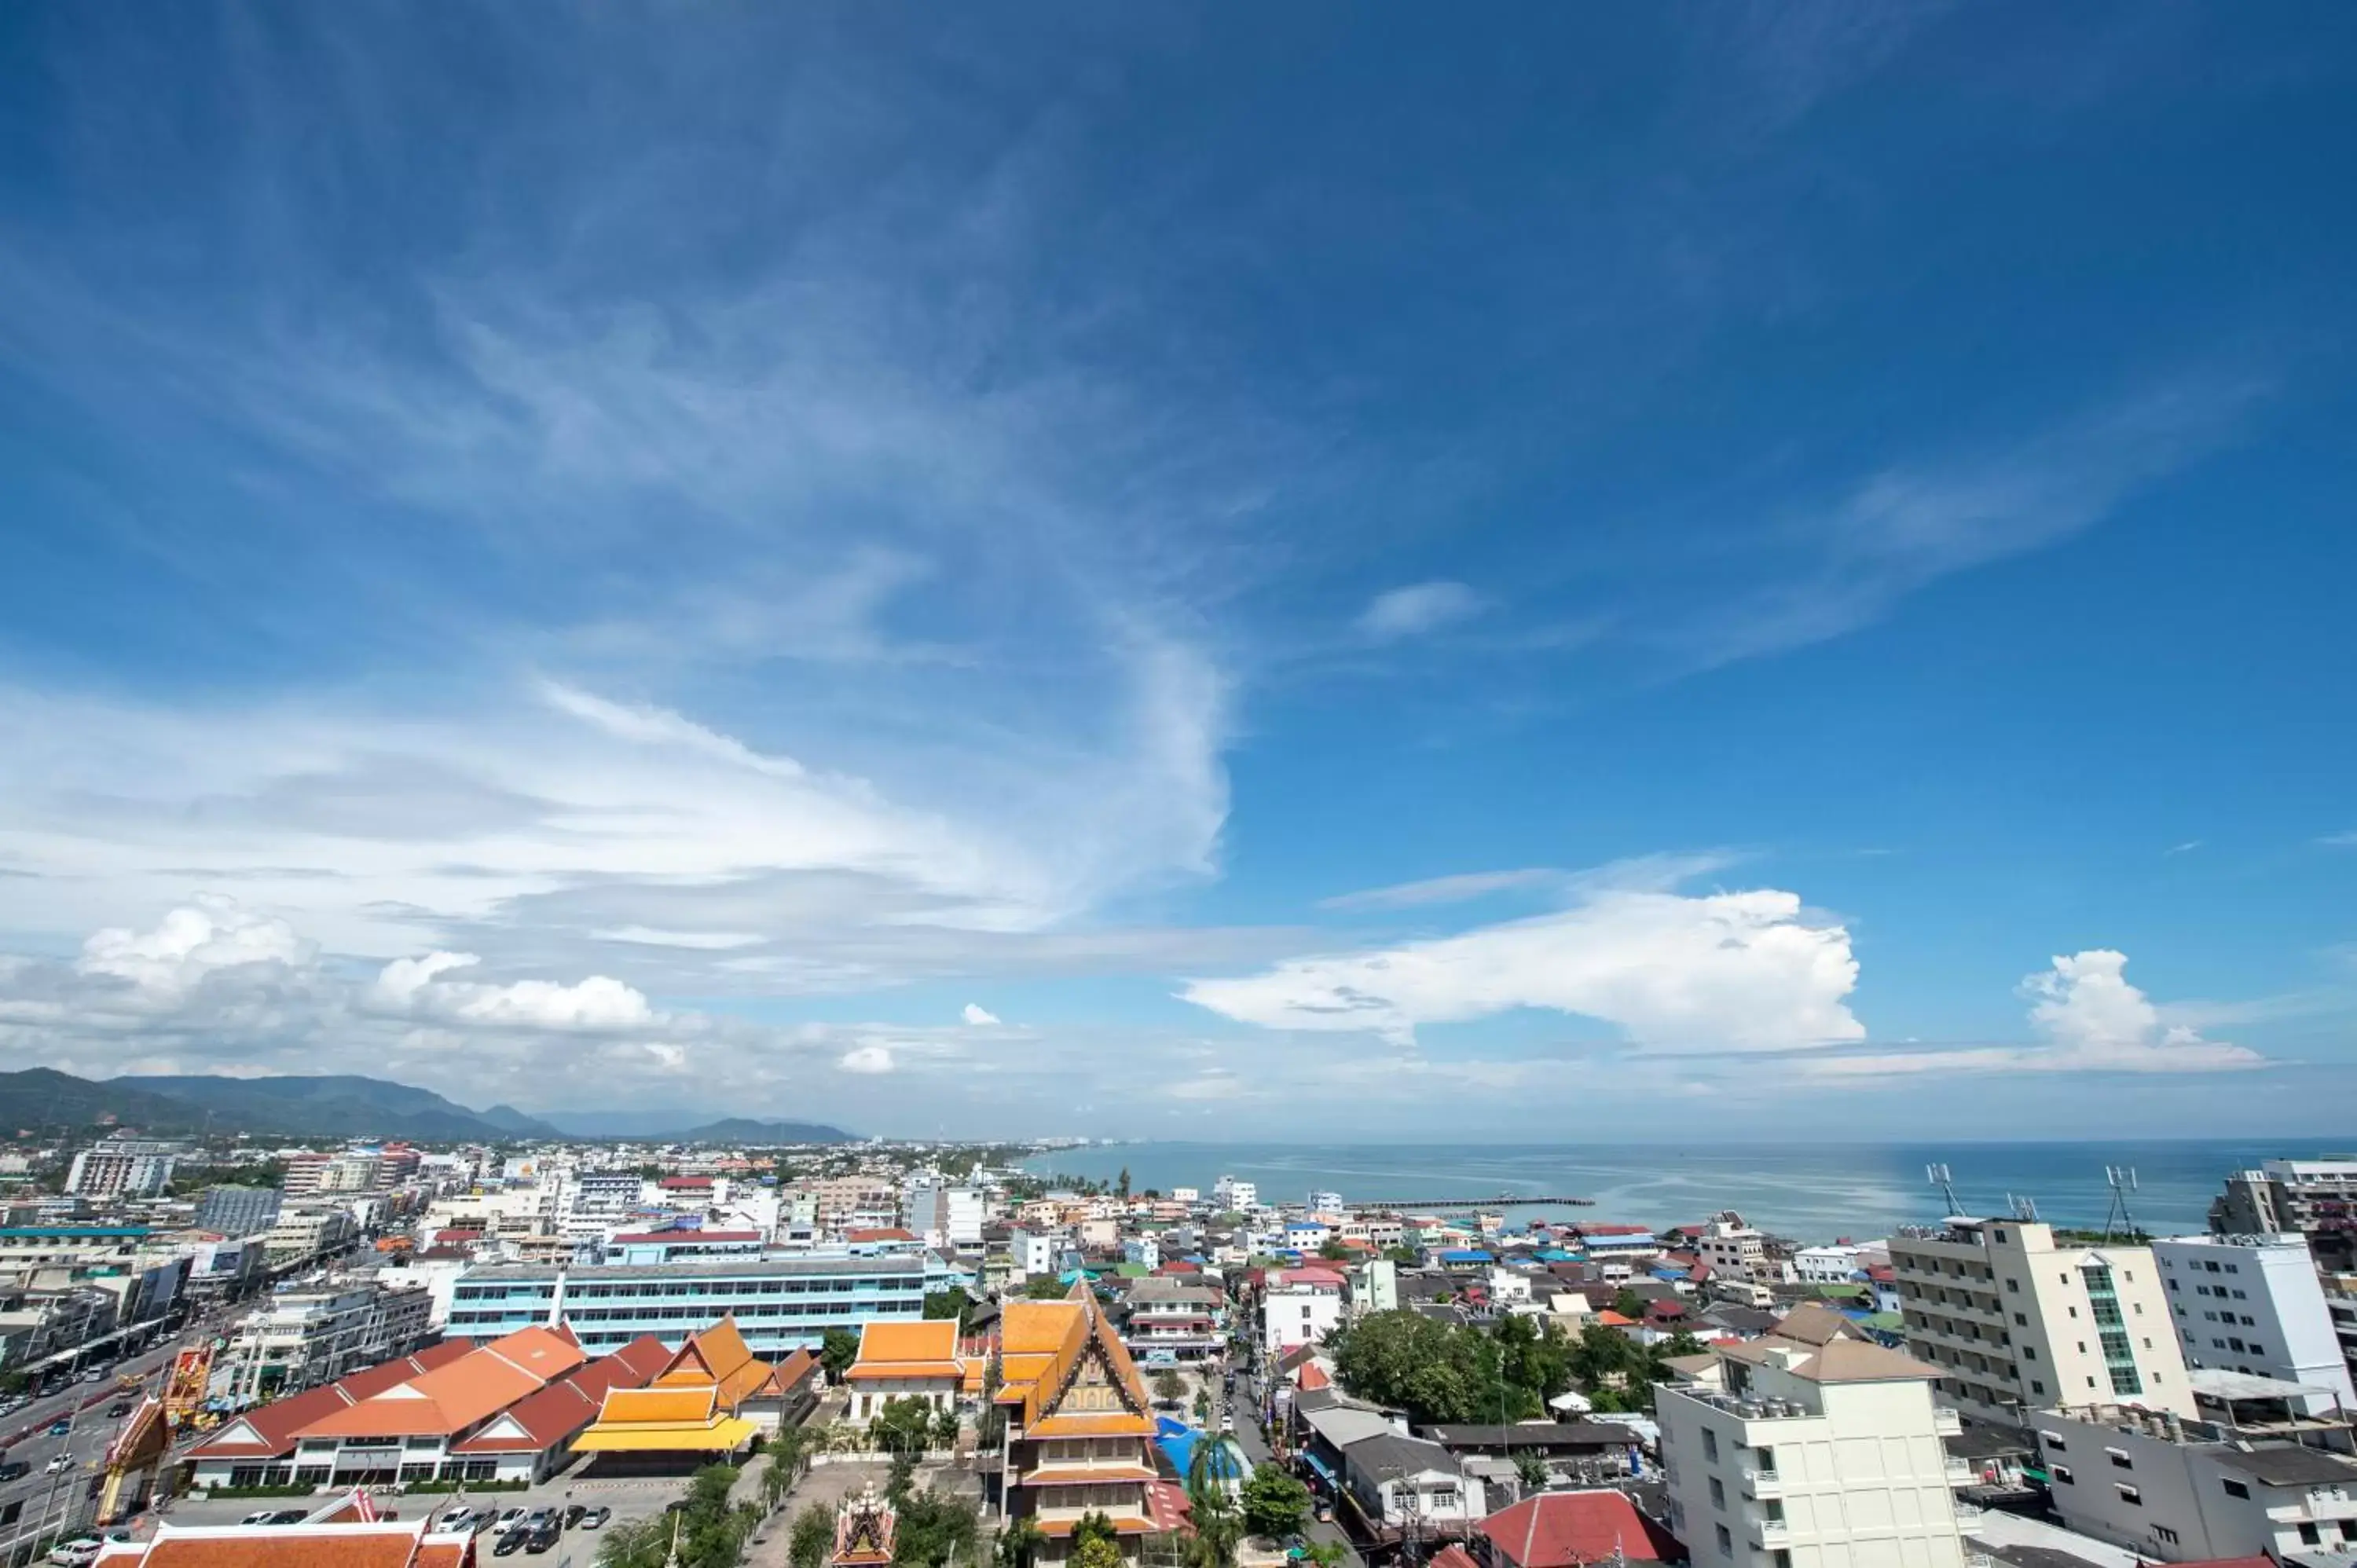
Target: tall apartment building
(941,1213)
(302,1233)
(1737,1250)
(2318,1199)
(124,1167)
(239,1210)
(852,1202)
(1813,1452)
(2017,1322)
(597,1202)
(1228,1193)
(2254,1303)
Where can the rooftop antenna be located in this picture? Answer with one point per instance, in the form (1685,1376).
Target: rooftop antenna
(2122,1180)
(2025,1208)
(1938,1177)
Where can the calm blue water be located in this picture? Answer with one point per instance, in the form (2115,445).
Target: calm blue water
(1813,1193)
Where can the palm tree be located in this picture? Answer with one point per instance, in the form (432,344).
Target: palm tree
(1019,1542)
(1219,1522)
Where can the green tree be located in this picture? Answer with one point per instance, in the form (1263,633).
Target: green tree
(1629,1303)
(1019,1542)
(950,1303)
(902,1428)
(1219,1520)
(1274,1504)
(1202,1405)
(812,1540)
(1121,1184)
(1333,1252)
(1045,1287)
(945,1428)
(1529,1468)
(837,1350)
(934,1527)
(1168,1385)
(1096,1554)
(1406,1257)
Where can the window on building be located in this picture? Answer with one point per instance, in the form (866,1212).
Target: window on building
(2309,1534)
(1710,1445)
(1726,1542)
(2236,1489)
(2129,1495)
(2119,1458)
(2062,1473)
(1717,1493)
(2036,1387)
(2167,1536)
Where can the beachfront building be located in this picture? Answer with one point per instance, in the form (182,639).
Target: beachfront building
(2254,1303)
(1737,1250)
(2315,1198)
(1174,1319)
(1229,1195)
(780,1304)
(2016,1322)
(1808,1447)
(1078,1429)
(906,1360)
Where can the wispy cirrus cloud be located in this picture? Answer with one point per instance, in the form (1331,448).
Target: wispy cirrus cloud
(1418,610)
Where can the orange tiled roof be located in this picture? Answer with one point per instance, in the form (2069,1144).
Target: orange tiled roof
(677,1404)
(273,1426)
(1123,1524)
(1041,1345)
(451,1398)
(927,1348)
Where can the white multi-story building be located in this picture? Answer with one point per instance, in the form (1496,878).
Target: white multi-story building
(1788,1454)
(1033,1252)
(124,1167)
(316,1334)
(1733,1247)
(2015,1323)
(596,1203)
(940,1213)
(1831,1265)
(302,1232)
(1299,1306)
(2254,1303)
(1229,1194)
(2266,1478)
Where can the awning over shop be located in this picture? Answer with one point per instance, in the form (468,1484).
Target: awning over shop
(1325,1471)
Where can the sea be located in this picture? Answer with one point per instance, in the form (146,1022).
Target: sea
(1811,1193)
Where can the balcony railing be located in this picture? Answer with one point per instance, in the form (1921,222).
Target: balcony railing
(1763,1484)
(1770,1531)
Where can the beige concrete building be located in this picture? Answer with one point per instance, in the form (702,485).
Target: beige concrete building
(2017,1322)
(1809,1448)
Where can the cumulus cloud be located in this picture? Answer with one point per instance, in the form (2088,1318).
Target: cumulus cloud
(416,986)
(978,1015)
(2093,1020)
(870,1058)
(1417,610)
(208,934)
(1747,970)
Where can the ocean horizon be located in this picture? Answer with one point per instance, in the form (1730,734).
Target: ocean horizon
(1810,1192)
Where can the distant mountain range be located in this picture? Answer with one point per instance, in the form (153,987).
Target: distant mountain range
(343,1107)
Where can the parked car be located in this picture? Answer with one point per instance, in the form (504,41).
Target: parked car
(288,1516)
(509,1544)
(259,1516)
(461,1517)
(540,1540)
(596,1518)
(79,1553)
(506,1522)
(14,1470)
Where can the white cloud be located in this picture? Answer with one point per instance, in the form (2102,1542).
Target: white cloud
(1215,1085)
(978,1015)
(208,934)
(1457,889)
(415,986)
(1730,972)
(867,1060)
(2094,1021)
(1417,610)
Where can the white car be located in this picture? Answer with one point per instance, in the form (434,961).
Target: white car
(507,1522)
(56,1463)
(79,1553)
(460,1518)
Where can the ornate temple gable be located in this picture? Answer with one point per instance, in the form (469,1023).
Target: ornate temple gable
(1093,1386)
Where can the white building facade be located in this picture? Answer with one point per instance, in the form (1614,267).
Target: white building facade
(2015,1323)
(1790,1456)
(2254,1303)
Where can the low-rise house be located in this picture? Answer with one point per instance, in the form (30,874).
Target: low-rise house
(1395,1483)
(1299,1306)
(1173,1319)
(1568,1529)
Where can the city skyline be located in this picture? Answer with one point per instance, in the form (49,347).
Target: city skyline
(1171,578)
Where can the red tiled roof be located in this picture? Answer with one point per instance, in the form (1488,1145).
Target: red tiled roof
(1572,1529)
(1452,1556)
(1313,1376)
(385,1544)
(674,1183)
(454,1399)
(274,1424)
(570,1403)
(879,1233)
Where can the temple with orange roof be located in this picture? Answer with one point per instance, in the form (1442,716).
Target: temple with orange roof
(709,1402)
(917,1361)
(1078,1427)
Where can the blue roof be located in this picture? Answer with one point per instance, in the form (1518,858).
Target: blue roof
(62,1232)
(1178,1441)
(1641,1239)
(1466,1255)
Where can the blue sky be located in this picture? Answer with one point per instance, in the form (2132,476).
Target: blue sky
(1069,570)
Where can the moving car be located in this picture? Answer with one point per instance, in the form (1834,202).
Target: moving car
(56,1463)
(596,1518)
(60,1427)
(15,1470)
(120,1406)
